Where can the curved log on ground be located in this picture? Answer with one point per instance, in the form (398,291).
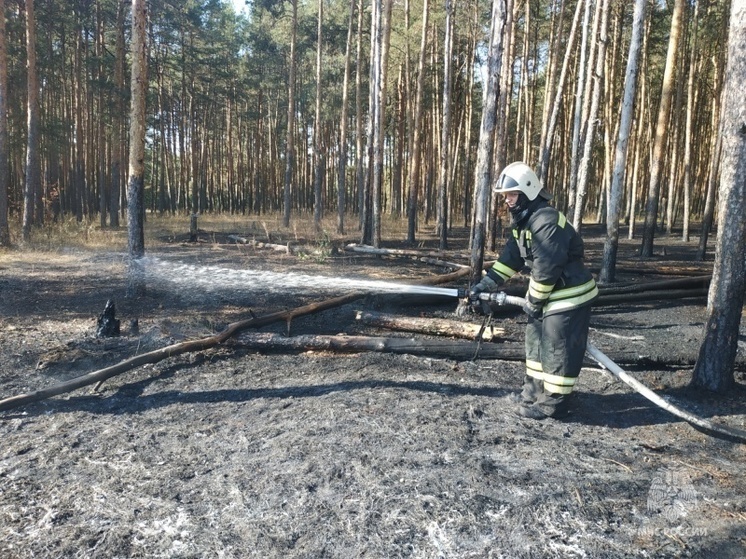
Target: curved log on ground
(172,351)
(189,346)
(459,350)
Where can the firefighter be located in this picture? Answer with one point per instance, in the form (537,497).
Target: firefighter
(559,296)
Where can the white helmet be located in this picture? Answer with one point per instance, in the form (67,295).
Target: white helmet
(520,177)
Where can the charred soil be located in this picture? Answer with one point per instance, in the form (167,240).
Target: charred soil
(234,453)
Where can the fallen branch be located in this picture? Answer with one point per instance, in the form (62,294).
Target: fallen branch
(458,350)
(172,351)
(432,326)
(258,244)
(197,345)
(692,283)
(659,269)
(605,299)
(443,263)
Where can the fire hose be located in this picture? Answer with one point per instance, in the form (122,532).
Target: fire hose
(500,298)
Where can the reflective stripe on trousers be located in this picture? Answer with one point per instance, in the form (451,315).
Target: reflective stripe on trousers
(555,347)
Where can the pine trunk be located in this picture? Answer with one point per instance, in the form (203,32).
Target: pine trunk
(117,148)
(4,229)
(598,85)
(317,147)
(546,146)
(414,168)
(32,187)
(445,157)
(688,162)
(714,368)
(661,131)
(290,136)
(611,245)
(486,139)
(135,185)
(343,124)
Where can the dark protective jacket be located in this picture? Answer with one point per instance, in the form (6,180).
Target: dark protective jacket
(548,244)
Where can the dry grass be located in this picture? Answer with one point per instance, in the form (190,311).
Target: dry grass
(69,233)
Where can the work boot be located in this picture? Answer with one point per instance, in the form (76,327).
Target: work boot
(532,389)
(547,405)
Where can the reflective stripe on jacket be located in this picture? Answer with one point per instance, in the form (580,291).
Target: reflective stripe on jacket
(549,245)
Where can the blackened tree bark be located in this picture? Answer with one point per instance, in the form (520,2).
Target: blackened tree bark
(714,368)
(136,181)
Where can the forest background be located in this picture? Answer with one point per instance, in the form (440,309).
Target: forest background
(364,109)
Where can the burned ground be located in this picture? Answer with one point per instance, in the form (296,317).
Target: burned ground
(234,453)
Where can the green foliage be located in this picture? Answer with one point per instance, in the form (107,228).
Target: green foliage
(219,86)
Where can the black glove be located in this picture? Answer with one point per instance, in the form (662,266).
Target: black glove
(474,301)
(532,310)
(474,293)
(486,284)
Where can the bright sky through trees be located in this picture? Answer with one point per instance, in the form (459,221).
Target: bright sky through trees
(240,6)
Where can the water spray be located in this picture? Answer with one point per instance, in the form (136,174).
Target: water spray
(212,278)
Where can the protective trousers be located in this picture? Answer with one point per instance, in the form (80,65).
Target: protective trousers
(555,347)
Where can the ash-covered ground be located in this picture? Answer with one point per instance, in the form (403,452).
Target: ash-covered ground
(233,453)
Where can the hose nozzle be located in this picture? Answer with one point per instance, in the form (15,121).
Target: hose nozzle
(501,298)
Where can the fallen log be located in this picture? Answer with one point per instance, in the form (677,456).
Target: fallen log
(258,244)
(696,282)
(97,377)
(431,326)
(172,351)
(659,269)
(459,350)
(605,299)
(443,263)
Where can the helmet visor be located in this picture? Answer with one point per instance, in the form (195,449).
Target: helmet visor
(507,183)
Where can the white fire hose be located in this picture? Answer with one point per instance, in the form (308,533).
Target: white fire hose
(597,355)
